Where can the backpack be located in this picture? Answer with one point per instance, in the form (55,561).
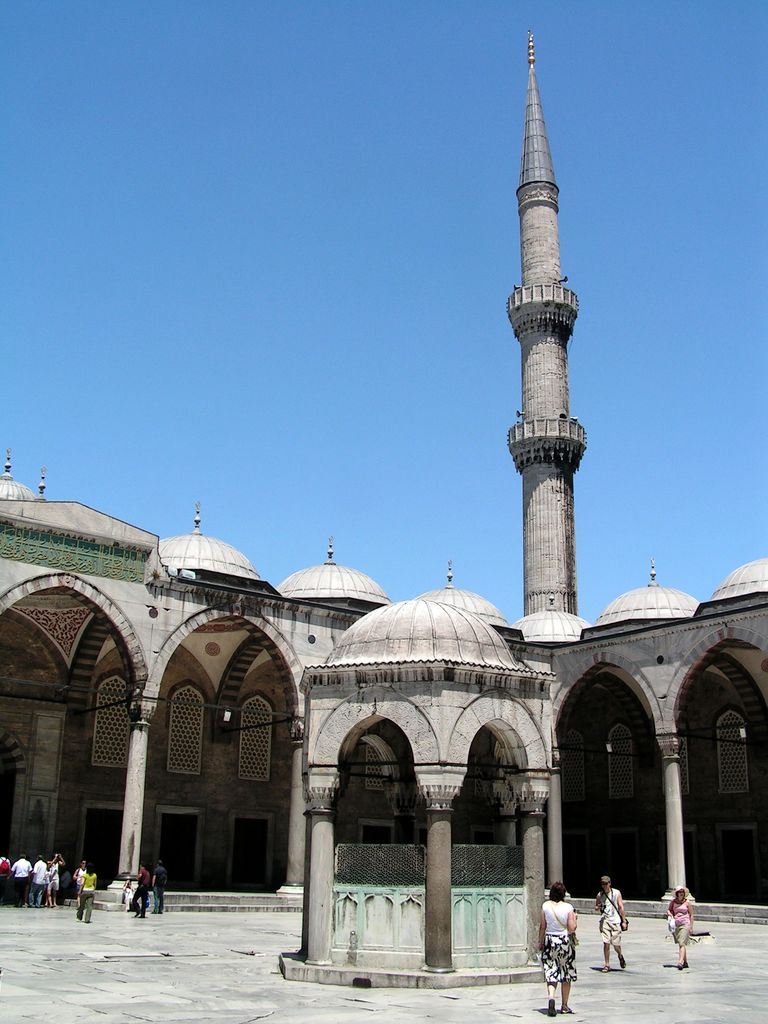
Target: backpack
(5,866)
(161,878)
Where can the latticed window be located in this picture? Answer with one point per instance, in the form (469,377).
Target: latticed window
(731,753)
(374,777)
(621,783)
(684,776)
(185,734)
(111,726)
(255,740)
(572,765)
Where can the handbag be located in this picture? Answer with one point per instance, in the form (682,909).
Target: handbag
(572,936)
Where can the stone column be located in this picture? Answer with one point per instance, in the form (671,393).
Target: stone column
(294,875)
(555,823)
(322,816)
(438,912)
(532,795)
(669,745)
(506,825)
(133,803)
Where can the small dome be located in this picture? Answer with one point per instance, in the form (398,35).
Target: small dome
(649,602)
(751,578)
(550,626)
(10,489)
(422,631)
(331,582)
(196,551)
(469,601)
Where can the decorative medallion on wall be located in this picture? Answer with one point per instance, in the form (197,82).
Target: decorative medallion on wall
(62,625)
(212,649)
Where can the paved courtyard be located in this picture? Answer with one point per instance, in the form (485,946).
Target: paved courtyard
(222,967)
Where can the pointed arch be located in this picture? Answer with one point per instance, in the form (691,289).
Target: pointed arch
(507,717)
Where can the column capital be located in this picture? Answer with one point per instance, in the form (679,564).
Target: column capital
(320,788)
(401,796)
(296,729)
(439,797)
(532,791)
(669,745)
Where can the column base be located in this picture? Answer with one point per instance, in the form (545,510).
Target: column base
(439,970)
(290,890)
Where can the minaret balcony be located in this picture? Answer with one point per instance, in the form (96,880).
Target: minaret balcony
(550,440)
(543,307)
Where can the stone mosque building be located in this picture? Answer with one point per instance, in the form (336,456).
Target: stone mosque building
(425,767)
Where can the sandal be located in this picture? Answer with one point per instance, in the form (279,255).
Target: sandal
(551,1011)
(565,1009)
(622,962)
(605,970)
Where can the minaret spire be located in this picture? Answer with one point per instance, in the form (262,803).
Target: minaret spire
(547,443)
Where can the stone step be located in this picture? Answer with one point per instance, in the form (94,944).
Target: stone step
(200,902)
(733,913)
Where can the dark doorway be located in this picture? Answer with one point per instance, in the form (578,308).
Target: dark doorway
(689,852)
(576,863)
(101,842)
(249,852)
(622,860)
(7,792)
(178,848)
(738,861)
(370,833)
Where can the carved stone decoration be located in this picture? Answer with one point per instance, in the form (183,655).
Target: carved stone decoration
(398,709)
(320,788)
(62,625)
(669,745)
(532,793)
(73,554)
(439,796)
(402,796)
(296,729)
(511,718)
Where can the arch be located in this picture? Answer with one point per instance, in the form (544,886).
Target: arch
(507,717)
(136,661)
(12,758)
(349,719)
(620,669)
(709,651)
(273,641)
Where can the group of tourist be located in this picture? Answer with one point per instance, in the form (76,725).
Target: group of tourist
(47,882)
(37,885)
(558,940)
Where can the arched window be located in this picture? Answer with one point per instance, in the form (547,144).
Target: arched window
(374,776)
(732,753)
(621,783)
(255,740)
(685,779)
(185,731)
(111,726)
(572,766)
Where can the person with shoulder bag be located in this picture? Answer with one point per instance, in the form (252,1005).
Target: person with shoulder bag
(613,921)
(557,945)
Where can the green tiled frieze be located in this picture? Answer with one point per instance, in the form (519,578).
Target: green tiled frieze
(71,554)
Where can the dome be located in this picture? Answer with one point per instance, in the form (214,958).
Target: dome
(467,600)
(196,551)
(422,631)
(751,578)
(550,626)
(650,602)
(331,582)
(10,489)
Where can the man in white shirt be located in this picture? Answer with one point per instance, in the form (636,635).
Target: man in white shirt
(20,872)
(610,906)
(37,883)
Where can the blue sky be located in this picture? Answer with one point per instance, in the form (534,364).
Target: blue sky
(258,254)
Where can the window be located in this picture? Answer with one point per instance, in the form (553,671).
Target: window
(731,753)
(255,740)
(374,777)
(684,775)
(111,726)
(572,766)
(621,783)
(185,732)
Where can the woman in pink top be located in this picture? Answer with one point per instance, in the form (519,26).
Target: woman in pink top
(681,911)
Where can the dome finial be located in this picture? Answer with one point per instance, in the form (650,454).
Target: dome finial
(531,50)
(653,582)
(329,560)
(197,517)
(7,461)
(41,485)
(450,573)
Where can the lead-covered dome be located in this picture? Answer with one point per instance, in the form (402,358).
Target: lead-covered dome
(467,600)
(550,626)
(650,602)
(332,582)
(10,489)
(751,578)
(419,631)
(197,551)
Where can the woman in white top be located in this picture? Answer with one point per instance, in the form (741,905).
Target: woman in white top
(557,931)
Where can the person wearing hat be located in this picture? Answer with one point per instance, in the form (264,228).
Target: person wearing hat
(680,909)
(613,921)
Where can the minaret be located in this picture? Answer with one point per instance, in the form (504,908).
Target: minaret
(547,443)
